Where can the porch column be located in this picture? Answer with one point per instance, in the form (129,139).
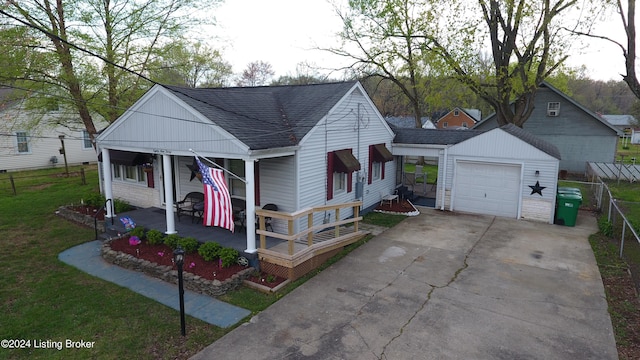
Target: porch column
(168,193)
(108,191)
(251,205)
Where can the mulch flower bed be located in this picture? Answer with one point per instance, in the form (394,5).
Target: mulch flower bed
(403,207)
(163,255)
(268,280)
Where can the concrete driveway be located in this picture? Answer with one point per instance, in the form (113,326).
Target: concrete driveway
(443,286)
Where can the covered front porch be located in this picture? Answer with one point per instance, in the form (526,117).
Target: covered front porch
(287,254)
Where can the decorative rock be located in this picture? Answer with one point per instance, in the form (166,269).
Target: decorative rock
(169,274)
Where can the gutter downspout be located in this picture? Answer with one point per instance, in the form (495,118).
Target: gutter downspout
(444,178)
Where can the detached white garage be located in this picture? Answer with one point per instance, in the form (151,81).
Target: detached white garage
(504,172)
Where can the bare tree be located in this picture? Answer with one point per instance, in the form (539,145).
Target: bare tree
(628,19)
(257,73)
(528,43)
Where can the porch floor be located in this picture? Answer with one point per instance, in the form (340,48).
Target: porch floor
(154,218)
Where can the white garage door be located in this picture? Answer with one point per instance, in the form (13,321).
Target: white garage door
(487,188)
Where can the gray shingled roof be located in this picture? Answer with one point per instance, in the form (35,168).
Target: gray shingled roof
(621,120)
(265,117)
(532,140)
(452,137)
(432,136)
(405,121)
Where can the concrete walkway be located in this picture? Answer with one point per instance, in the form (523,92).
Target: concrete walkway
(443,286)
(86,257)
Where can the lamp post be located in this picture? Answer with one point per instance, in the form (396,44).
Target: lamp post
(178,257)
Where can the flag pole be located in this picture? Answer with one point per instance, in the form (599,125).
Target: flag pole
(219,167)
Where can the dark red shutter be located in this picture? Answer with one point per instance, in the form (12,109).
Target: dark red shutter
(370,175)
(330,175)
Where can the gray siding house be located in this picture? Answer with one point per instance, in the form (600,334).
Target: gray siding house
(581,135)
(294,146)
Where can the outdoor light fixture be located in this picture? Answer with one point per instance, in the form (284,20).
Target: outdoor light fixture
(178,258)
(537,173)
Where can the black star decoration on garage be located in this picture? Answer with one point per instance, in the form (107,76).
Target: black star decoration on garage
(195,170)
(537,188)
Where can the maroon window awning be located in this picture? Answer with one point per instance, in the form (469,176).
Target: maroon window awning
(381,153)
(345,162)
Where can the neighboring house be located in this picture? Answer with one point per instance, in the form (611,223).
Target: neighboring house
(504,172)
(581,135)
(624,123)
(458,118)
(296,146)
(409,122)
(30,139)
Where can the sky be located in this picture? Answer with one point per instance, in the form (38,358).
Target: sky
(284,33)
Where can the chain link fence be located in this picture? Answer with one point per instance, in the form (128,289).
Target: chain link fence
(616,222)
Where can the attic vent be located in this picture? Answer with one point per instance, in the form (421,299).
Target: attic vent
(553,109)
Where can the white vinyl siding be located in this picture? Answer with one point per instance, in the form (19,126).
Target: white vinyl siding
(340,130)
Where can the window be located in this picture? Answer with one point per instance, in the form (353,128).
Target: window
(129,173)
(445,124)
(86,140)
(237,187)
(553,109)
(376,170)
(339,182)
(340,166)
(456,112)
(464,124)
(117,174)
(22,140)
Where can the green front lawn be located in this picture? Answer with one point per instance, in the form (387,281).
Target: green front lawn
(45,299)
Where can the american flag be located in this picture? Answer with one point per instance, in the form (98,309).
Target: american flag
(217,202)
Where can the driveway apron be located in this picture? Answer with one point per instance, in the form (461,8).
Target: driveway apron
(443,285)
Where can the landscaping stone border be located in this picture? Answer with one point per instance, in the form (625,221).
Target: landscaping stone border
(167,273)
(86,220)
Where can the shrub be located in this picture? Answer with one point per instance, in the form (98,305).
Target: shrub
(605,226)
(121,206)
(228,256)
(172,240)
(95,200)
(189,244)
(155,237)
(209,251)
(137,231)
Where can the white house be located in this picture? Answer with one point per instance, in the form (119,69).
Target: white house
(30,139)
(294,146)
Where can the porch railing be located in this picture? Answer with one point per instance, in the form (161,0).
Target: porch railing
(332,231)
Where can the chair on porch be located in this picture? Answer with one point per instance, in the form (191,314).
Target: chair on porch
(267,219)
(192,205)
(239,207)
